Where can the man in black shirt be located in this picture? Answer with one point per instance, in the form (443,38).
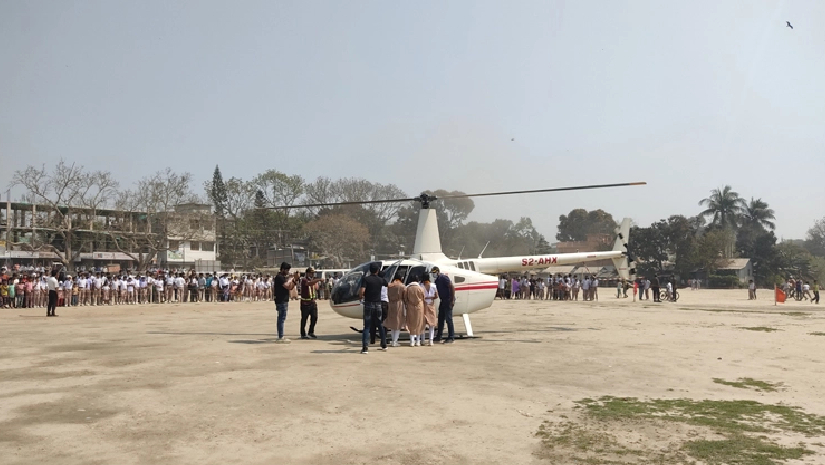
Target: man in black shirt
(654,285)
(281,285)
(371,295)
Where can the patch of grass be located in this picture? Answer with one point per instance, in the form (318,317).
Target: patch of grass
(749,383)
(741,449)
(794,313)
(738,431)
(817,333)
(725,415)
(760,328)
(576,444)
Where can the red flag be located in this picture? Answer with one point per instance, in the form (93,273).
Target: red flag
(779,295)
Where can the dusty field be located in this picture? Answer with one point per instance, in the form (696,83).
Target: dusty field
(203,383)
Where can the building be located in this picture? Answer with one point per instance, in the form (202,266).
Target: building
(742,268)
(38,235)
(191,238)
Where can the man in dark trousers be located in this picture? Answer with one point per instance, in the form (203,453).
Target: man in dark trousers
(446,295)
(281,285)
(53,284)
(309,307)
(370,293)
(654,285)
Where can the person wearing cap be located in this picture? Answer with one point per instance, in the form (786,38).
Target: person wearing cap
(282,284)
(446,293)
(309,307)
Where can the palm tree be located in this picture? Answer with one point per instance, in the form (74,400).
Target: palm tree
(758,214)
(725,206)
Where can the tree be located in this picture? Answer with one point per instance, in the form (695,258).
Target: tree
(793,260)
(339,237)
(580,223)
(279,188)
(216,191)
(725,206)
(154,198)
(759,245)
(649,247)
(709,251)
(69,199)
(758,214)
(815,239)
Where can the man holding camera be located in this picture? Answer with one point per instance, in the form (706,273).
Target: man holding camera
(309,308)
(281,286)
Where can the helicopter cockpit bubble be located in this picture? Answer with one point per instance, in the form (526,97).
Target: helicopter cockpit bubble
(347,288)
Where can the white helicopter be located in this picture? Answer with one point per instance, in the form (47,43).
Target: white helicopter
(474,279)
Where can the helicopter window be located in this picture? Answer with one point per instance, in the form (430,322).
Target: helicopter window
(416,271)
(349,285)
(460,265)
(472,266)
(459,279)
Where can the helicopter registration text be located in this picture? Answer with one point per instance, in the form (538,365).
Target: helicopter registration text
(537,261)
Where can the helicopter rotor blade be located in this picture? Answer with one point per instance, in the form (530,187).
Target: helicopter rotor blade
(429,197)
(333,204)
(554,189)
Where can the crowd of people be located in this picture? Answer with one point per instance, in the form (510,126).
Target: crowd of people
(570,287)
(31,289)
(387,306)
(796,288)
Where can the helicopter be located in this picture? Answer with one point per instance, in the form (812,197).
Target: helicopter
(475,280)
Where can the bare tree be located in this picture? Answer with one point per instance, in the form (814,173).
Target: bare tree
(149,220)
(339,237)
(279,188)
(64,195)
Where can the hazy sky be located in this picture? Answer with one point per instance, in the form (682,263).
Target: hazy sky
(688,96)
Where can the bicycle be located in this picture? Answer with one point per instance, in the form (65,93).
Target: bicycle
(663,296)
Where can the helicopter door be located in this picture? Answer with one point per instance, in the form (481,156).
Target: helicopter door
(461,297)
(395,267)
(415,271)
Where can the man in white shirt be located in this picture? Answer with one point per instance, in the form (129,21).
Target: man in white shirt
(586,283)
(594,289)
(97,290)
(170,288)
(180,288)
(160,282)
(53,285)
(224,290)
(67,291)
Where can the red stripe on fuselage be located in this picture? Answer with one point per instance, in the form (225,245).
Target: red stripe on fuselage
(476,287)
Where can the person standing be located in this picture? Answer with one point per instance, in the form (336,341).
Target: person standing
(816,292)
(395,309)
(385,306)
(370,293)
(647,288)
(430,318)
(283,284)
(446,293)
(53,284)
(502,282)
(594,288)
(654,286)
(201,287)
(309,307)
(414,304)
(68,285)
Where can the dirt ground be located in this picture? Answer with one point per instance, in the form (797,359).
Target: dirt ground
(204,383)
